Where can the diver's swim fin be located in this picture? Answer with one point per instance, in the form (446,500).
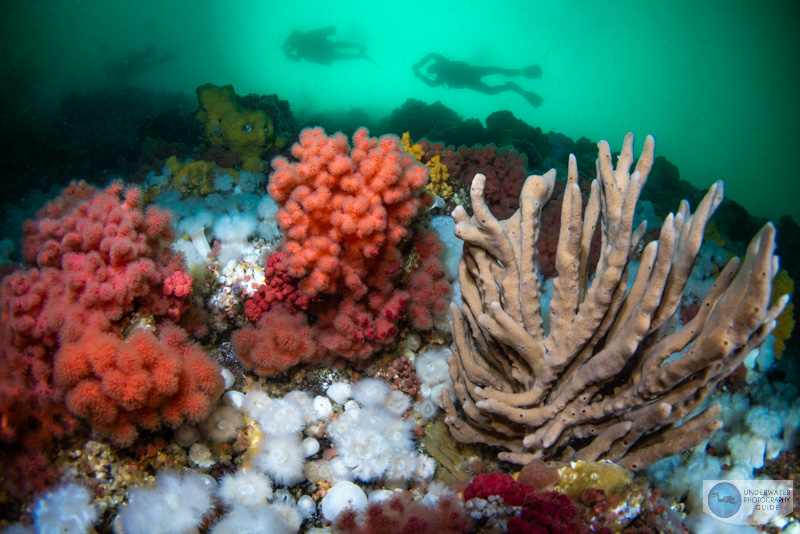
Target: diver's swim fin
(534,71)
(365,56)
(532,98)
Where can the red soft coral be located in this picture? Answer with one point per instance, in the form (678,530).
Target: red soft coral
(505,170)
(344,213)
(178,284)
(549,513)
(542,512)
(357,329)
(279,340)
(498,484)
(279,286)
(402,515)
(429,291)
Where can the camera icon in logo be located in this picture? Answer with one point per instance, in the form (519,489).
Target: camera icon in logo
(724,500)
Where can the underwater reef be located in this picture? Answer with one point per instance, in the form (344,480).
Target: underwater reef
(217,316)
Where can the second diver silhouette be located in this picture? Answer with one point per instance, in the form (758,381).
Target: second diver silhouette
(461,75)
(315,46)
(135,63)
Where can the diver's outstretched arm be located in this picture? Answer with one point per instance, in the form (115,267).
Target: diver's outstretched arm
(422,62)
(291,52)
(432,56)
(427,79)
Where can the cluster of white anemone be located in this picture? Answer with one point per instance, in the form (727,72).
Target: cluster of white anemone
(372,439)
(434,376)
(372,436)
(178,503)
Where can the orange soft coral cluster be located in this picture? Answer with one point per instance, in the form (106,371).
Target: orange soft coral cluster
(345,214)
(142,382)
(342,209)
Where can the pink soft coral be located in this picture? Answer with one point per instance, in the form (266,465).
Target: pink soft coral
(279,340)
(95,257)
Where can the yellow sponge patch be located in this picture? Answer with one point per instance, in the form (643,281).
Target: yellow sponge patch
(247,132)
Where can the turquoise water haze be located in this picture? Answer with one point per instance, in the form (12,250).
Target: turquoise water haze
(219,315)
(715,82)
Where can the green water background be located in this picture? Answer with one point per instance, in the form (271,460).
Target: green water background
(715,82)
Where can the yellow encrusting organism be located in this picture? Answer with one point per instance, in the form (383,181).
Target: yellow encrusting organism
(247,132)
(577,477)
(783,285)
(438,171)
(439,174)
(196,177)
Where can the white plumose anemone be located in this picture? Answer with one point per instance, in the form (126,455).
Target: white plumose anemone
(397,402)
(256,403)
(371,392)
(283,417)
(245,488)
(282,459)
(366,451)
(176,503)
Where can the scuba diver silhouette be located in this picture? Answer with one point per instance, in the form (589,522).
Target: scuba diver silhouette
(315,47)
(462,75)
(135,63)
